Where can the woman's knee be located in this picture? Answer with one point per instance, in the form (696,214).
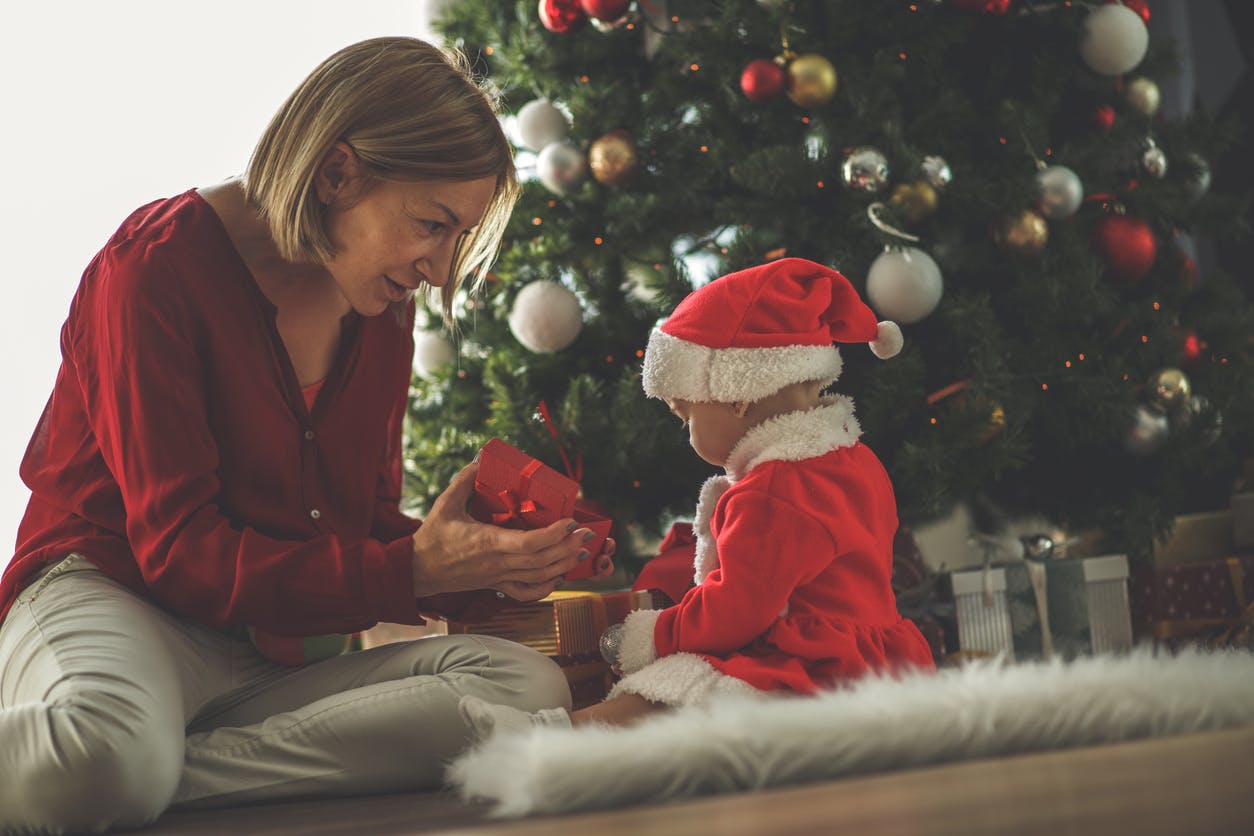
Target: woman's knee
(528,679)
(95,772)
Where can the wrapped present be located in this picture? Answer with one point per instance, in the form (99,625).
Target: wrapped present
(1069,607)
(1195,538)
(1208,603)
(566,626)
(515,490)
(981,612)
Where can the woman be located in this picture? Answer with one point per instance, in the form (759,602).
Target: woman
(221,453)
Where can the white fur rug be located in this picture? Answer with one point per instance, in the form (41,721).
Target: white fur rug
(980,710)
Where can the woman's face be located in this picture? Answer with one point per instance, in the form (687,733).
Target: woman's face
(392,238)
(714,429)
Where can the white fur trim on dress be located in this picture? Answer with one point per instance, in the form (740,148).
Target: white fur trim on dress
(706,559)
(675,368)
(795,436)
(637,648)
(680,679)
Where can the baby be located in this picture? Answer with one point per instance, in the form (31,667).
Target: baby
(794,544)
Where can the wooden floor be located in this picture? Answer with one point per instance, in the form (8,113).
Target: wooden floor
(1194,785)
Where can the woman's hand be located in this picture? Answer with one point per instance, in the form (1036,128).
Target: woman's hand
(453,552)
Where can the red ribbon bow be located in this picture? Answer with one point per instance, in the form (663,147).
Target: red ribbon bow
(514,510)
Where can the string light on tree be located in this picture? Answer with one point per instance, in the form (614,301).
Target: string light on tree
(546,317)
(1114,40)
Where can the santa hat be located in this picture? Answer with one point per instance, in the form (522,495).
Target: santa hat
(748,334)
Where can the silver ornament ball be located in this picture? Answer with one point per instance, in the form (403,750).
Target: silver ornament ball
(539,123)
(865,169)
(546,317)
(1154,161)
(1148,432)
(936,172)
(611,643)
(1061,192)
(904,285)
(561,167)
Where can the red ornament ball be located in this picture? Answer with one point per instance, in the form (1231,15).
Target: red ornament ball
(763,80)
(605,10)
(1192,349)
(1139,6)
(1127,246)
(1104,118)
(562,16)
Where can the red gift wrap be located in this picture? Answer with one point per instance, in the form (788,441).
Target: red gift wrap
(515,490)
(1210,603)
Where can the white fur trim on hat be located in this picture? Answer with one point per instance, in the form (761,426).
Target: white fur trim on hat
(888,340)
(681,679)
(675,368)
(637,648)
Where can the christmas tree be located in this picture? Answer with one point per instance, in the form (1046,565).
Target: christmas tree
(993,175)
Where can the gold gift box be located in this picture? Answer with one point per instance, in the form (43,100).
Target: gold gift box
(1196,538)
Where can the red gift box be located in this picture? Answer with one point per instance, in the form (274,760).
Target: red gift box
(515,490)
(1210,602)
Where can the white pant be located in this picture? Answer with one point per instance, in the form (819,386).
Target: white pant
(112,709)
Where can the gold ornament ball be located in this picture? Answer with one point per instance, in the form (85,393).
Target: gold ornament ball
(1025,233)
(996,423)
(613,158)
(915,201)
(1171,389)
(811,80)
(1143,95)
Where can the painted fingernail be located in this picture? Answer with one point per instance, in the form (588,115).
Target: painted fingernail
(583,555)
(588,535)
(571,528)
(604,564)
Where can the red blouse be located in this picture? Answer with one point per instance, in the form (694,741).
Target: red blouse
(177,452)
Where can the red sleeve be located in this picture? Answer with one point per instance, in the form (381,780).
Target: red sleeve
(137,356)
(766,549)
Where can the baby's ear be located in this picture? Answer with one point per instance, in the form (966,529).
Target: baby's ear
(739,408)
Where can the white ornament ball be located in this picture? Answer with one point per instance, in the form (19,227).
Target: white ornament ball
(1114,41)
(546,317)
(1148,432)
(539,123)
(433,352)
(561,167)
(1061,192)
(904,285)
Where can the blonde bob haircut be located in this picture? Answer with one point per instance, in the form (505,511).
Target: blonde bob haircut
(410,111)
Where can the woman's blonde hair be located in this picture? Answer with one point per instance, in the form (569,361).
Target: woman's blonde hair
(410,111)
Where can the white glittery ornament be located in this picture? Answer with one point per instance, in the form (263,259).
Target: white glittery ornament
(904,285)
(1114,40)
(546,317)
(432,353)
(539,123)
(1061,192)
(561,167)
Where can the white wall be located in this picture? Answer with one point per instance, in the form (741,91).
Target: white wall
(105,106)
